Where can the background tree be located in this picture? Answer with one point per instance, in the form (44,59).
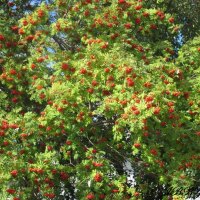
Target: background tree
(186,12)
(89,86)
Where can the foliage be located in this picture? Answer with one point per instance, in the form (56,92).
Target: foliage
(186,12)
(89,86)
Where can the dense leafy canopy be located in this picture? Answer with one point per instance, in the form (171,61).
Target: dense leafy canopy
(186,13)
(88,87)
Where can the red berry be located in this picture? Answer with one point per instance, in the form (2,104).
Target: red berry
(14,28)
(90,90)
(6,143)
(94,151)
(156,110)
(88,1)
(11,191)
(147,84)
(24,22)
(94,83)
(115,191)
(14,173)
(90,196)
(107,70)
(40,13)
(198,133)
(65,66)
(137,145)
(176,93)
(163,123)
(127,25)
(49,148)
(64,176)
(121,1)
(128,70)
(2,38)
(13,72)
(41,59)
(102,196)
(50,195)
(136,112)
(171,110)
(95,164)
(136,194)
(110,78)
(170,104)
(145,14)
(138,7)
(149,99)
(98,177)
(53,171)
(21,31)
(130,82)
(138,21)
(83,71)
(68,142)
(87,13)
(11,4)
(171,20)
(154,152)
(146,134)
(30,38)
(16,198)
(33,66)
(153,27)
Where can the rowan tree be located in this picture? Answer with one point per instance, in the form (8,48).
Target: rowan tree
(89,87)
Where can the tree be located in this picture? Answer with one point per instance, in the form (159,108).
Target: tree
(89,86)
(186,13)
